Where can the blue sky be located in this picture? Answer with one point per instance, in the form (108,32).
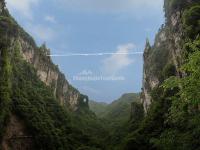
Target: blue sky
(94,26)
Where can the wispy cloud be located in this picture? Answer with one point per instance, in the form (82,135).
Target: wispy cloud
(112,5)
(24,7)
(50,19)
(115,63)
(41,32)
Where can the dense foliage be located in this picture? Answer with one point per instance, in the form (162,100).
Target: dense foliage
(184,111)
(51,126)
(48,123)
(117,117)
(97,107)
(5,85)
(191,21)
(172,121)
(120,108)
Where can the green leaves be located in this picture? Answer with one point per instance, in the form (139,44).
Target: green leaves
(188,96)
(5,86)
(191,21)
(171,83)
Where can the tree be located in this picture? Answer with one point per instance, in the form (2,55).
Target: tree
(5,85)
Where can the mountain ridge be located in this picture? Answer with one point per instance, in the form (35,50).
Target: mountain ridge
(121,105)
(32,94)
(46,70)
(170,93)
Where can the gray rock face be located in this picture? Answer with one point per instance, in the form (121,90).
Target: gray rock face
(50,74)
(39,58)
(2,5)
(166,50)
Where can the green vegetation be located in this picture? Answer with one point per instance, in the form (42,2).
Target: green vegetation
(183,117)
(98,107)
(120,109)
(116,118)
(23,94)
(52,126)
(171,123)
(117,111)
(191,20)
(33,102)
(5,88)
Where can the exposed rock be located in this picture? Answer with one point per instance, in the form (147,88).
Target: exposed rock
(175,18)
(48,72)
(16,136)
(2,5)
(167,49)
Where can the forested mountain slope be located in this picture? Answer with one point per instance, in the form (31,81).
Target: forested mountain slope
(39,58)
(98,107)
(117,117)
(119,109)
(40,110)
(171,86)
(38,107)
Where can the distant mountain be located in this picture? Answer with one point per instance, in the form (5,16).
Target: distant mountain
(116,117)
(97,107)
(118,110)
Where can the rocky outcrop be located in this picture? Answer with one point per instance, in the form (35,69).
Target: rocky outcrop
(49,73)
(155,58)
(166,50)
(39,58)
(2,5)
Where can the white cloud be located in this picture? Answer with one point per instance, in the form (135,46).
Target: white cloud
(24,7)
(112,5)
(41,32)
(115,62)
(50,19)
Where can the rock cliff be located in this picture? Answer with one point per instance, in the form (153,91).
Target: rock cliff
(166,53)
(47,71)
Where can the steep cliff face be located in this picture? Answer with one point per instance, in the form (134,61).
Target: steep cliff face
(2,5)
(31,91)
(155,59)
(49,73)
(167,51)
(38,57)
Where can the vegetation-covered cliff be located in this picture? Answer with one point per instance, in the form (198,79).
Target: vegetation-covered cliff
(36,100)
(40,59)
(166,56)
(170,93)
(40,110)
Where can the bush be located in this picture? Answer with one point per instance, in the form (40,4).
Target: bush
(191,20)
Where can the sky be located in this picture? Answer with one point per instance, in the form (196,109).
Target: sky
(97,44)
